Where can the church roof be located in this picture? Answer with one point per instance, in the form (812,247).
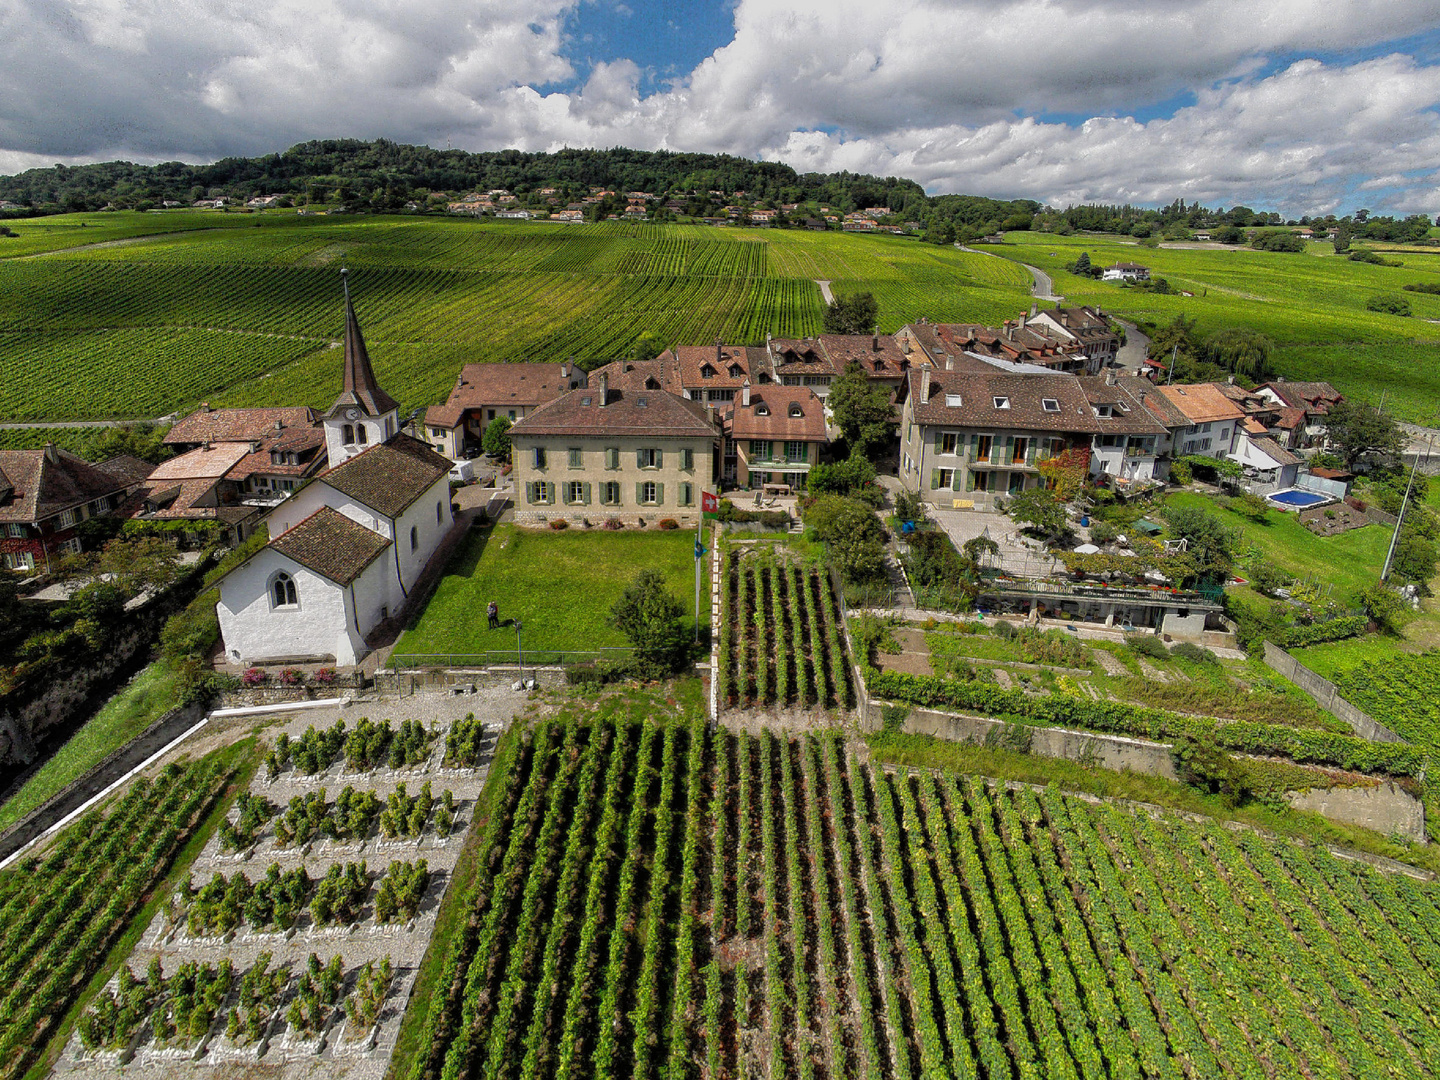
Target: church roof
(360,388)
(332,545)
(389,476)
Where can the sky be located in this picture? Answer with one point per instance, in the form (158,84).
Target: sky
(1299,106)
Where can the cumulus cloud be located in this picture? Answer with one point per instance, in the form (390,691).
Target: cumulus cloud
(961,95)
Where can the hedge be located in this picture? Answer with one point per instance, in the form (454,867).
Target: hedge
(1297,637)
(1306,746)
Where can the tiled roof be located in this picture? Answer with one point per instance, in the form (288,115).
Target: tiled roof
(800,356)
(332,545)
(1127,414)
(1026,395)
(1291,418)
(1273,450)
(869,350)
(389,476)
(125,468)
(662,373)
(693,359)
(1143,392)
(483,386)
(237,425)
(39,486)
(630,412)
(1201,403)
(306,444)
(746,422)
(1312,395)
(196,464)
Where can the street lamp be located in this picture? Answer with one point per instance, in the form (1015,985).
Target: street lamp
(520,653)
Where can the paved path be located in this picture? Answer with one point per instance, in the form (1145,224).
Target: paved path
(1042,288)
(1132,353)
(825,290)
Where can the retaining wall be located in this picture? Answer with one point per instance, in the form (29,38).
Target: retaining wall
(406,682)
(1327,695)
(1387,808)
(173,724)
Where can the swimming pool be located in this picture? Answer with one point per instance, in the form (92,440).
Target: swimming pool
(1296,499)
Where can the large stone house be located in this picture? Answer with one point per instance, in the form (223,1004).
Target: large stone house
(44,497)
(1304,406)
(484,392)
(1212,419)
(1131,445)
(634,455)
(969,438)
(774,435)
(347,550)
(1087,326)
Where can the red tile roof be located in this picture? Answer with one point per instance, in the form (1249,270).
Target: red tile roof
(769,415)
(332,545)
(237,425)
(482,386)
(641,412)
(1202,403)
(389,476)
(35,485)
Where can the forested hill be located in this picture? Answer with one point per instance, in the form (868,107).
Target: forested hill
(385,175)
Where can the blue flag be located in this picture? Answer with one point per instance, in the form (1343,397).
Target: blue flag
(699,550)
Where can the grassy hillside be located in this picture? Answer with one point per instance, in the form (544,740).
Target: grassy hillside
(1312,305)
(243,309)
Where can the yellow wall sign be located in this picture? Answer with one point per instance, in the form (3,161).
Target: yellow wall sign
(963,504)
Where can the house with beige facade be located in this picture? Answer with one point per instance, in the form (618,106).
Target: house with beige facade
(631,454)
(774,435)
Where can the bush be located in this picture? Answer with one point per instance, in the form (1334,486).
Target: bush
(1200,655)
(728,511)
(255,677)
(1298,637)
(1432,287)
(324,676)
(1388,304)
(559,523)
(1180,473)
(1102,532)
(1148,645)
(292,677)
(612,524)
(667,524)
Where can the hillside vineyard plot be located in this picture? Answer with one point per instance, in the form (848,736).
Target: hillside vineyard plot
(680,902)
(782,641)
(248,316)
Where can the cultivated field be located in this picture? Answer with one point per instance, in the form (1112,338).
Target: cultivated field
(1312,305)
(244,309)
(668,900)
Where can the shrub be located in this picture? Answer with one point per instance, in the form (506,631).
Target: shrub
(1102,532)
(324,676)
(292,677)
(255,676)
(1297,637)
(667,524)
(612,524)
(1148,645)
(728,511)
(559,523)
(1180,473)
(1200,655)
(1388,304)
(1432,287)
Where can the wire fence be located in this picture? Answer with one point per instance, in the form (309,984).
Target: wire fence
(508,657)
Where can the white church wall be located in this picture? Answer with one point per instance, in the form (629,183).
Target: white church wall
(254,631)
(375,594)
(319,494)
(429,527)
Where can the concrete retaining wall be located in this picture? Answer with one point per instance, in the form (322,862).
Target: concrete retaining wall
(1327,695)
(406,682)
(1387,808)
(173,724)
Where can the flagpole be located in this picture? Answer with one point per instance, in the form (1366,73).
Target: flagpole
(699,533)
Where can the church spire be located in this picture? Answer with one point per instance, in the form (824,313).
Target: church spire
(360,388)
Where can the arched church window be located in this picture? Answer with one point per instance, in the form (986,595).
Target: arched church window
(360,437)
(349,435)
(282,591)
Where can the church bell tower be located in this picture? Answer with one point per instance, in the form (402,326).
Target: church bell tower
(363,415)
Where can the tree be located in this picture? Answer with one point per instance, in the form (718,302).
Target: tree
(647,346)
(651,618)
(1389,304)
(1229,234)
(1210,545)
(1066,472)
(852,535)
(1358,430)
(1082,264)
(1041,511)
(841,477)
(1342,238)
(861,409)
(854,314)
(496,440)
(1245,352)
(1385,607)
(1178,334)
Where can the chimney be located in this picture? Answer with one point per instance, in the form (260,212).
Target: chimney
(925,383)
(604,388)
(1034,310)
(565,369)
(949,362)
(1109,378)
(719,353)
(52,453)
(205,445)
(1142,397)
(1024,317)
(279,425)
(745,393)
(1229,380)
(874,342)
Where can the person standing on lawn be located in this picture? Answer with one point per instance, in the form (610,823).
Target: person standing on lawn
(493,611)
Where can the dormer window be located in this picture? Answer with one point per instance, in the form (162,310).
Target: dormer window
(1050,404)
(706,371)
(954,401)
(1001,402)
(761,409)
(736,371)
(1103,411)
(795,409)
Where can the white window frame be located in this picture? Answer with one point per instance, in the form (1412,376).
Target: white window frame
(292,591)
(650,492)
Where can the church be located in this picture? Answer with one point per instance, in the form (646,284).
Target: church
(347,549)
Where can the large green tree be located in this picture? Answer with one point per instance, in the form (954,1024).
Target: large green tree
(861,409)
(1039,510)
(496,440)
(854,314)
(652,619)
(1209,544)
(1245,352)
(1359,430)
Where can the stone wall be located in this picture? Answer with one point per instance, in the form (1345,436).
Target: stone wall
(1387,808)
(1327,695)
(409,681)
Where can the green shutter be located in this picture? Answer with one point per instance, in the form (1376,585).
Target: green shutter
(955,481)
(1009,450)
(639,459)
(939,440)
(1030,452)
(969,480)
(659,458)
(659,494)
(530,492)
(640,493)
(585,493)
(970,445)
(934,479)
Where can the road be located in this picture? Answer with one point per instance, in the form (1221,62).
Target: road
(1042,288)
(825,290)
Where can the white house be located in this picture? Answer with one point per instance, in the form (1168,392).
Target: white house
(1126,271)
(347,549)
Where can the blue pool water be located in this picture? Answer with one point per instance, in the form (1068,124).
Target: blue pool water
(1296,498)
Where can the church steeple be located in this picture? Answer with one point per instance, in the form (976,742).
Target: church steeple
(363,414)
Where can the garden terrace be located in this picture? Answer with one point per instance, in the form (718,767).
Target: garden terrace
(671,899)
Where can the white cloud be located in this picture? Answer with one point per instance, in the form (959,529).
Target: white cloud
(958,94)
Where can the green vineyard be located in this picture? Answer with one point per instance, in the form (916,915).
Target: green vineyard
(135,326)
(679,902)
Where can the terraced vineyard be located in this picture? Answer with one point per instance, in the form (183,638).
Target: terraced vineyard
(680,902)
(248,315)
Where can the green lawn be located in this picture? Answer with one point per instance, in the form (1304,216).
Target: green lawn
(144,700)
(1349,562)
(560,585)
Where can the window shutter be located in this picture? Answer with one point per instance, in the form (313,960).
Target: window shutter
(1009,448)
(969,480)
(639,459)
(585,493)
(1030,452)
(659,458)
(640,494)
(970,445)
(934,479)
(659,494)
(939,440)
(530,492)
(955,481)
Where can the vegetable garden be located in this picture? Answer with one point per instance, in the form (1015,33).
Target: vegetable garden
(782,637)
(670,900)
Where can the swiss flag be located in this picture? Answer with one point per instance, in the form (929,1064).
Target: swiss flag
(709,502)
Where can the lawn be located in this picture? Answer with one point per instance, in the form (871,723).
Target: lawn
(560,585)
(139,704)
(1348,562)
